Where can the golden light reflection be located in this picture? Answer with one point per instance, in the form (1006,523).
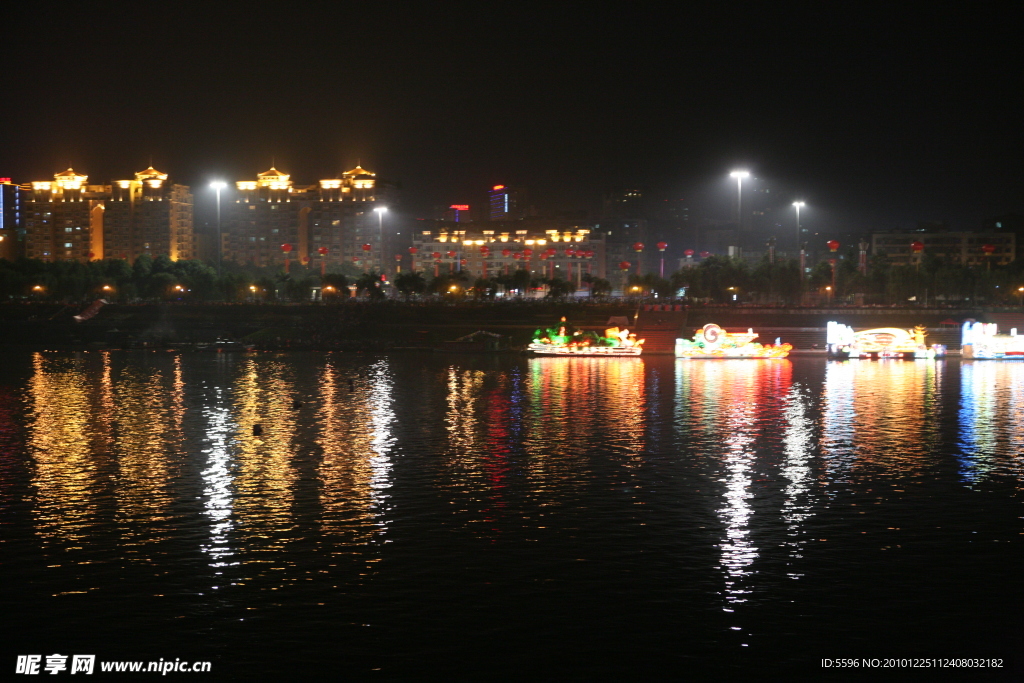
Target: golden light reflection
(575,402)
(355,420)
(142,435)
(880,417)
(65,474)
(265,477)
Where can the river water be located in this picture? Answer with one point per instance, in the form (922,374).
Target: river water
(420,517)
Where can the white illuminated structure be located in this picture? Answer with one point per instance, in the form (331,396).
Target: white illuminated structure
(881,342)
(798,206)
(739,176)
(982,341)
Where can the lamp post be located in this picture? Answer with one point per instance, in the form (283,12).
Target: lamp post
(739,176)
(217,186)
(798,206)
(380,211)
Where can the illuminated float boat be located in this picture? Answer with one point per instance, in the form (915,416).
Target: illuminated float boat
(567,341)
(983,342)
(881,342)
(712,341)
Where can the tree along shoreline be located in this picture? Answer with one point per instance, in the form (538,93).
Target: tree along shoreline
(370,325)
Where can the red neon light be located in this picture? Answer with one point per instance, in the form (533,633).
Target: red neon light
(459,207)
(499,187)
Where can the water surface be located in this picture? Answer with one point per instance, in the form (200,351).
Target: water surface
(434,516)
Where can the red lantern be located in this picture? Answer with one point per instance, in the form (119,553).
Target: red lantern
(517,256)
(705,254)
(527,253)
(638,246)
(367,247)
(662,246)
(91,255)
(305,259)
(988,249)
(570,252)
(436,256)
(832,245)
(413,250)
(506,252)
(590,253)
(286,248)
(624,265)
(551,252)
(398,257)
(451,254)
(543,256)
(462,262)
(916,247)
(355,259)
(689,253)
(322,251)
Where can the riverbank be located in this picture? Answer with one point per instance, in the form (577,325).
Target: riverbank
(392,324)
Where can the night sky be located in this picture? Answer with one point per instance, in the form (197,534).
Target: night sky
(878,120)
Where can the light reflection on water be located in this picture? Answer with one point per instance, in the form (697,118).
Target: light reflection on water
(991,420)
(316,476)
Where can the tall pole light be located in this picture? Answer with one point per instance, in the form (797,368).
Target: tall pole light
(799,250)
(381,210)
(739,176)
(798,206)
(217,186)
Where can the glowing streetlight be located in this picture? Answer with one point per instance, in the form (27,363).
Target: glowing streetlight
(798,206)
(381,210)
(739,176)
(217,186)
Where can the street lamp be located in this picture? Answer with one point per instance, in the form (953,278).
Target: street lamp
(217,186)
(739,176)
(381,210)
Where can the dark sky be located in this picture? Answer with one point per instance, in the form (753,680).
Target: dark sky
(878,119)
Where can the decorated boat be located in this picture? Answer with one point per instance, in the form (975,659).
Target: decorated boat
(880,342)
(982,341)
(566,340)
(711,341)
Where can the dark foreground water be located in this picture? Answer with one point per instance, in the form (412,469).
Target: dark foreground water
(424,517)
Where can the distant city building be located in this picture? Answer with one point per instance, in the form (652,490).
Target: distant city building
(68,219)
(148,215)
(11,234)
(505,248)
(458,213)
(967,248)
(506,203)
(329,222)
(63,218)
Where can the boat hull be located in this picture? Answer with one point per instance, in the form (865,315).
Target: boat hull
(587,351)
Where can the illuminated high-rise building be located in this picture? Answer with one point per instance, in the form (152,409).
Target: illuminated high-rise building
(63,218)
(68,219)
(148,215)
(11,234)
(506,203)
(328,222)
